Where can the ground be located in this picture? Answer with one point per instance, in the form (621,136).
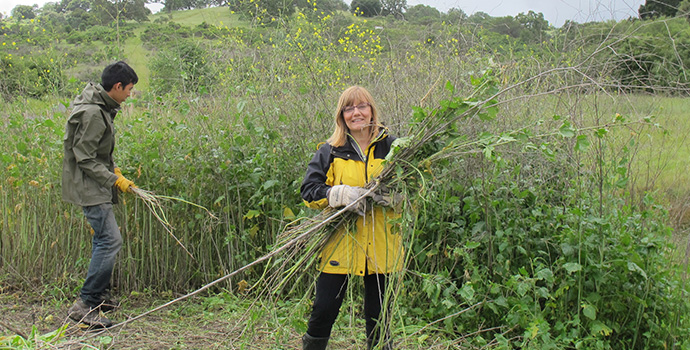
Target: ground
(208,322)
(187,325)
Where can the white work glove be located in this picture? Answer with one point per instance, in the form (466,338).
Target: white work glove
(343,195)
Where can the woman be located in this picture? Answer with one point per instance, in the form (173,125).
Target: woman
(335,177)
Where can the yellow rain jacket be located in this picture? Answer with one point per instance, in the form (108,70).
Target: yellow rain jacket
(372,244)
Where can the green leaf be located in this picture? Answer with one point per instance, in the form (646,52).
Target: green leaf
(488,151)
(450,87)
(22,147)
(252,214)
(601,132)
(523,288)
(472,245)
(572,267)
(547,151)
(632,267)
(545,274)
(582,143)
(566,130)
(105,340)
(241,105)
(397,145)
(270,183)
(299,325)
(418,114)
(467,293)
(589,311)
(490,114)
(600,328)
(622,182)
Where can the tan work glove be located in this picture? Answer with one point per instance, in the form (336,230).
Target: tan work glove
(122,183)
(344,195)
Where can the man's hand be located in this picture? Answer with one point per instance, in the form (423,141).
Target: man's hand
(122,183)
(344,195)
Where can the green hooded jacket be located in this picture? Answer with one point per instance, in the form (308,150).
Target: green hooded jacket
(87,166)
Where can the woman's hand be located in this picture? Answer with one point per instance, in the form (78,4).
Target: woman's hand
(344,195)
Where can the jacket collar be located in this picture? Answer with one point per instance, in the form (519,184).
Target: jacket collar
(351,145)
(110,105)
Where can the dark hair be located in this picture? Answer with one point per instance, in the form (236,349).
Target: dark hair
(118,72)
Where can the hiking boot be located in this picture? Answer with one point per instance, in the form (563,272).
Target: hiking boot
(109,303)
(80,312)
(313,343)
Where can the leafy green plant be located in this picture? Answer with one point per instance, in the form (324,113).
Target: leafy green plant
(185,67)
(34,340)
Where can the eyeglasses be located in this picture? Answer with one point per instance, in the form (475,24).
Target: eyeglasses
(351,109)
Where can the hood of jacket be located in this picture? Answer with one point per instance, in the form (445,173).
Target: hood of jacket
(95,94)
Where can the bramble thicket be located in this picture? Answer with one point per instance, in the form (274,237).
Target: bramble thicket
(544,206)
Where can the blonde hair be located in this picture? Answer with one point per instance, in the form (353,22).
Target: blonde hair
(350,97)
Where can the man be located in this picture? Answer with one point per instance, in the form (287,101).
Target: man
(91,179)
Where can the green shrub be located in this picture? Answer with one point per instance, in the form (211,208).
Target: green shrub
(265,12)
(35,76)
(365,8)
(185,67)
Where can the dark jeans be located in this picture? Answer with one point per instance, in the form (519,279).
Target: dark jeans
(106,242)
(330,290)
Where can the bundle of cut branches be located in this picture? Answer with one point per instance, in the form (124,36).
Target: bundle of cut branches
(154,203)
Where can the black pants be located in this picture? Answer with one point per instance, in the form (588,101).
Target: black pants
(330,291)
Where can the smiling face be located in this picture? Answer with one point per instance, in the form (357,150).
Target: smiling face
(357,121)
(357,116)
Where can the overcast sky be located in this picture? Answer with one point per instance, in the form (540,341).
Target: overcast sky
(555,11)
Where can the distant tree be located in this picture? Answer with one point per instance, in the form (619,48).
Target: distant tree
(479,18)
(326,6)
(656,8)
(20,12)
(394,8)
(79,19)
(72,5)
(133,10)
(50,7)
(176,5)
(455,16)
(534,26)
(105,12)
(366,8)
(507,26)
(53,17)
(265,11)
(423,14)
